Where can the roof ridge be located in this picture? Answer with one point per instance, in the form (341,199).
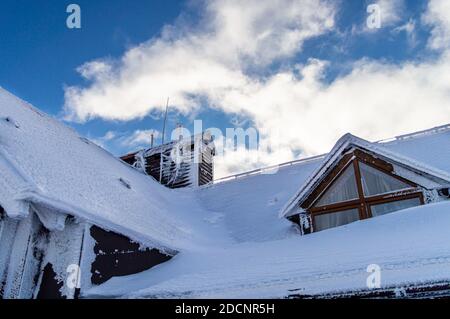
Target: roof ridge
(433,130)
(259,171)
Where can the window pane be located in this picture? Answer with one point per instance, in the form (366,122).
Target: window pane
(376,182)
(383,209)
(331,220)
(343,189)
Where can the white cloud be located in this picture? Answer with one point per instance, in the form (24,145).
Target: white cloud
(109,136)
(262,31)
(96,70)
(232,37)
(375,100)
(294,110)
(140,138)
(438,17)
(298,112)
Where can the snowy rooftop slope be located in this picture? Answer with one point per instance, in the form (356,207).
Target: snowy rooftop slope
(45,162)
(410,246)
(249,206)
(432,148)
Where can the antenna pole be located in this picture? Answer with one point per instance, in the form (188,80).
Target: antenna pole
(164,125)
(162,142)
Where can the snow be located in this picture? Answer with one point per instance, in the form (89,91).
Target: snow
(433,149)
(249,205)
(230,240)
(44,162)
(62,251)
(267,258)
(410,246)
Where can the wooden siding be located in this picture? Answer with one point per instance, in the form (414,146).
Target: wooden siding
(34,260)
(61,252)
(183,175)
(50,288)
(152,165)
(129,158)
(206,168)
(116,255)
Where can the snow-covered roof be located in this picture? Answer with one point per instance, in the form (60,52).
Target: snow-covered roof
(249,206)
(45,163)
(266,258)
(418,156)
(431,147)
(409,246)
(231,241)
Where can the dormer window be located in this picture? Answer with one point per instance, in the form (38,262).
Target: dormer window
(376,182)
(359,187)
(343,189)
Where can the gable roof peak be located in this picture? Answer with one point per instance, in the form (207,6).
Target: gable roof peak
(342,146)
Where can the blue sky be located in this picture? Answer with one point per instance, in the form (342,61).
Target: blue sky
(236,79)
(40,54)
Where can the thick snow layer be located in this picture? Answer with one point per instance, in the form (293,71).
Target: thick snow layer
(231,241)
(268,259)
(45,162)
(249,206)
(432,149)
(410,246)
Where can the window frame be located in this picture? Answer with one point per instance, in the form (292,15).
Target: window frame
(363,203)
(335,210)
(374,202)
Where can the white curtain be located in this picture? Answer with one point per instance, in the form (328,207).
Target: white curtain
(383,209)
(331,220)
(376,182)
(343,189)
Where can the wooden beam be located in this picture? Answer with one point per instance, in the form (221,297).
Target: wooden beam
(327,181)
(363,214)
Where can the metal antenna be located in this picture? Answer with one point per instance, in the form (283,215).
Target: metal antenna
(162,142)
(164,125)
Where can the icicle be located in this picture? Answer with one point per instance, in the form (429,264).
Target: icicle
(305,222)
(140,162)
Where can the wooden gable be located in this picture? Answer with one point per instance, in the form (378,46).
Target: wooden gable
(357,166)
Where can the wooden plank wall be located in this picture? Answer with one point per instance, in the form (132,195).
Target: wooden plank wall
(116,255)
